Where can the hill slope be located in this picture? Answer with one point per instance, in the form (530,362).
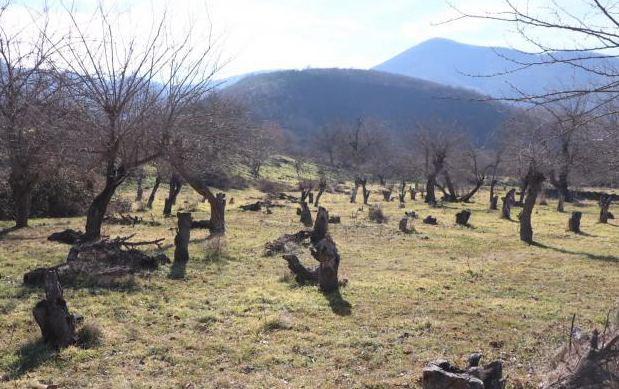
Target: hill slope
(460,65)
(303,101)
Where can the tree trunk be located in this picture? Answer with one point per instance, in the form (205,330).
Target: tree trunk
(153,193)
(218,213)
(321,226)
(466,198)
(560,204)
(98,207)
(386,194)
(175,188)
(494,203)
(310,197)
(52,314)
(605,201)
(534,185)
(21,189)
(306,215)
(508,201)
(366,193)
(353,193)
(452,196)
(430,187)
(573,224)
(322,186)
(181,241)
(492,195)
(140,190)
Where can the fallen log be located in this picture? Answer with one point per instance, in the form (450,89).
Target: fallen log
(430,220)
(442,375)
(283,243)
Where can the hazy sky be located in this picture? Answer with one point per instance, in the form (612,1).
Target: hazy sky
(278,34)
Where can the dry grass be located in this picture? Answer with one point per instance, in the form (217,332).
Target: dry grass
(237,320)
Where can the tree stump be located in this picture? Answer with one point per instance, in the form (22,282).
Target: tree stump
(430,220)
(508,202)
(413,193)
(605,214)
(386,194)
(306,215)
(561,203)
(573,224)
(494,203)
(52,314)
(321,227)
(462,218)
(218,215)
(404,225)
(335,219)
(181,241)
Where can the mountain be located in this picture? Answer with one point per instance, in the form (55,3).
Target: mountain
(467,66)
(302,101)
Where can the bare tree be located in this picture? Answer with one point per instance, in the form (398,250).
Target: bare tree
(132,91)
(32,108)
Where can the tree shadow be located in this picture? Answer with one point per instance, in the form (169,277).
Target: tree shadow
(338,305)
(178,270)
(595,257)
(4,232)
(30,356)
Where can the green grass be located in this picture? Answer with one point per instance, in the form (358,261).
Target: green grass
(238,320)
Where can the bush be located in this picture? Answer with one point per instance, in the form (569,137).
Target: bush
(119,205)
(60,194)
(376,214)
(89,336)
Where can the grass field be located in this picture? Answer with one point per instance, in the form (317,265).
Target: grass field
(238,319)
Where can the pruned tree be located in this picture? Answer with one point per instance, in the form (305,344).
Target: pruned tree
(33,107)
(119,83)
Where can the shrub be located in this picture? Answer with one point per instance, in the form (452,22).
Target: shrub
(273,187)
(60,194)
(376,214)
(89,336)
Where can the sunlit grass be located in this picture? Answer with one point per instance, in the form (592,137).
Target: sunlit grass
(236,320)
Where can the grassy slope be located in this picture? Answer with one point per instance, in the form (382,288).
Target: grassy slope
(239,321)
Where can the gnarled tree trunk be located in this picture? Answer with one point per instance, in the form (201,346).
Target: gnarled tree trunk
(430,189)
(605,201)
(153,193)
(175,188)
(140,190)
(21,189)
(98,207)
(306,215)
(508,201)
(534,185)
(52,314)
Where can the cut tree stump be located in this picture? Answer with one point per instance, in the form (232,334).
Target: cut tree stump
(52,314)
(324,250)
(508,201)
(573,224)
(306,215)
(605,201)
(181,241)
(462,217)
(405,226)
(430,220)
(494,203)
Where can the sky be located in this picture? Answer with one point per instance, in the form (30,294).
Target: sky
(256,35)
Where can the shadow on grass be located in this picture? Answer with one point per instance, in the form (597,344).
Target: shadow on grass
(338,305)
(4,232)
(30,356)
(595,257)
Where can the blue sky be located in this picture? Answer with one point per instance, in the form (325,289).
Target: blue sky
(279,34)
